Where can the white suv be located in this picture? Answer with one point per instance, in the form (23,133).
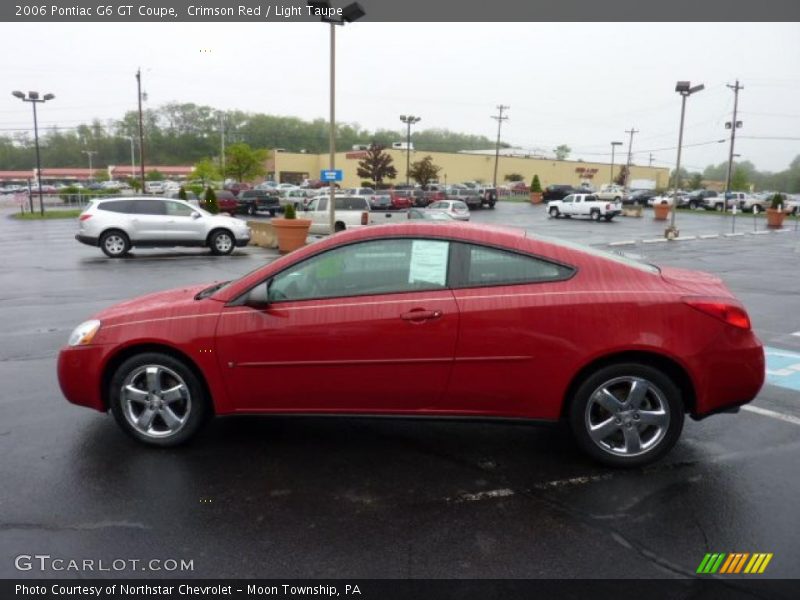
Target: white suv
(117,224)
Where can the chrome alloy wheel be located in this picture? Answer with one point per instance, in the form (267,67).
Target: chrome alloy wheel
(223,243)
(114,244)
(627,416)
(155,401)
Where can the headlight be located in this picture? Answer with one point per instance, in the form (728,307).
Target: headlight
(84,333)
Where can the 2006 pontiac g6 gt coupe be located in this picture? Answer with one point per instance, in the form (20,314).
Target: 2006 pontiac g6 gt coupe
(429,319)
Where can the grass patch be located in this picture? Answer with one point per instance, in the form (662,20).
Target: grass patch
(515,198)
(50,214)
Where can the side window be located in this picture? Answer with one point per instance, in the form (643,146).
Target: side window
(374,267)
(147,207)
(322,204)
(490,266)
(176,209)
(116,206)
(569,198)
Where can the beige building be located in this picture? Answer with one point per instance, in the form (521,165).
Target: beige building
(294,167)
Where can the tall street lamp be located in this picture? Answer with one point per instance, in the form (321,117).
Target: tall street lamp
(351,12)
(90,154)
(685,89)
(409,120)
(33,98)
(613,148)
(133,156)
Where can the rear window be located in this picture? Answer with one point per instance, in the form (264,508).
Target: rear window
(620,258)
(350,204)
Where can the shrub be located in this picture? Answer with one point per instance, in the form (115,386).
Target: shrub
(181,194)
(536,186)
(210,201)
(289,212)
(197,188)
(777,202)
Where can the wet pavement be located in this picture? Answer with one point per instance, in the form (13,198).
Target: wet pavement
(335,497)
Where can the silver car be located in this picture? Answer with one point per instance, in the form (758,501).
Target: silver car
(453,208)
(117,224)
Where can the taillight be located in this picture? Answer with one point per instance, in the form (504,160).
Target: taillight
(722,310)
(608,207)
(364,218)
(84,217)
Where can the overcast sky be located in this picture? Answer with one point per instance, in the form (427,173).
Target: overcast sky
(578,84)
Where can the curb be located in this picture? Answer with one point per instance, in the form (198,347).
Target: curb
(707,236)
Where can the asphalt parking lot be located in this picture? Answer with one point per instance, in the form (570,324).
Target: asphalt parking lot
(336,497)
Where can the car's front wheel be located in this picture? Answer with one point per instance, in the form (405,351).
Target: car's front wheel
(115,243)
(553,213)
(221,242)
(627,415)
(157,399)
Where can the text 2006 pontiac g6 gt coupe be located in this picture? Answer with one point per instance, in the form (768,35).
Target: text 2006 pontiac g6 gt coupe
(428,319)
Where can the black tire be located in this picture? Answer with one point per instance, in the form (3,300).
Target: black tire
(692,205)
(756,209)
(251,210)
(491,205)
(554,213)
(608,218)
(272,213)
(339,226)
(718,207)
(221,242)
(617,199)
(115,243)
(595,215)
(660,392)
(191,404)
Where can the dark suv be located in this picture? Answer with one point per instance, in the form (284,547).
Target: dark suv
(559,192)
(252,201)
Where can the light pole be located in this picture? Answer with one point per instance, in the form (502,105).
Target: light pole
(33,98)
(613,148)
(409,120)
(90,154)
(685,89)
(351,12)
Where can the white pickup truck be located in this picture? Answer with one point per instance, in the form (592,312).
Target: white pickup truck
(351,212)
(584,205)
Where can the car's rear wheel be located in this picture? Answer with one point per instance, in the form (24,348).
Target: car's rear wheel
(157,399)
(221,242)
(339,226)
(693,205)
(553,212)
(608,218)
(115,243)
(251,210)
(627,415)
(595,215)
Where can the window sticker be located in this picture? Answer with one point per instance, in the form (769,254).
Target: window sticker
(428,262)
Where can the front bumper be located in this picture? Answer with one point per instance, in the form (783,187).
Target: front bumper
(242,242)
(79,375)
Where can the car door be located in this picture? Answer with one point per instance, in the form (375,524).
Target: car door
(567,205)
(508,330)
(147,220)
(180,226)
(318,213)
(368,327)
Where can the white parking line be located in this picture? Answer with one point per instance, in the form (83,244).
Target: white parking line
(734,235)
(655,241)
(773,414)
(782,231)
(686,237)
(710,236)
(796,333)
(625,243)
(762,232)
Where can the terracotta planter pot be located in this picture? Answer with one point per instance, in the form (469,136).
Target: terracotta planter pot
(661,211)
(292,233)
(775,217)
(536,197)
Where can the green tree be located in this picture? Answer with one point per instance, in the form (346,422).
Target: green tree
(562,151)
(424,171)
(622,175)
(696,181)
(210,201)
(182,193)
(243,163)
(739,180)
(682,180)
(513,177)
(536,185)
(154,175)
(205,171)
(101,175)
(377,165)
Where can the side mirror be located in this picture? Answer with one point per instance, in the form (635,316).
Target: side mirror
(196,215)
(258,297)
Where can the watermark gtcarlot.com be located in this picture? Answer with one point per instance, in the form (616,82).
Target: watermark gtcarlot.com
(48,563)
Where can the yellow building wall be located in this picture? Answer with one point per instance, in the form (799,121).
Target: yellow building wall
(470,167)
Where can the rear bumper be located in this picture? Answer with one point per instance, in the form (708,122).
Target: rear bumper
(87,239)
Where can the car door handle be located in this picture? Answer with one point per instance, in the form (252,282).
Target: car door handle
(419,315)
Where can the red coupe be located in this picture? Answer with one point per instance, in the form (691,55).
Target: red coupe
(429,319)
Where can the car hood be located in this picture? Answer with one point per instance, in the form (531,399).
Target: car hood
(151,305)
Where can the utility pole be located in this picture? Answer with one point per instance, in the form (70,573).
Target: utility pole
(222,144)
(90,154)
(499,118)
(650,163)
(630,131)
(141,125)
(732,125)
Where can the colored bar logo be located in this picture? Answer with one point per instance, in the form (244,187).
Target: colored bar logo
(733,563)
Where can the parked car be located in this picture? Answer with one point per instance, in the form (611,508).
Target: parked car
(455,208)
(118,224)
(559,192)
(792,204)
(429,215)
(584,205)
(670,198)
(406,198)
(253,201)
(226,201)
(352,212)
(151,187)
(471,197)
(299,197)
(483,323)
(639,197)
(381,200)
(610,192)
(703,199)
